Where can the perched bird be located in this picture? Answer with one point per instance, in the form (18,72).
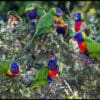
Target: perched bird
(9,68)
(45,24)
(33,12)
(79,25)
(13,20)
(45,74)
(59,23)
(40,79)
(87,46)
(81,43)
(52,69)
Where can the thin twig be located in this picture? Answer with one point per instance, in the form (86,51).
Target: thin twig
(66,84)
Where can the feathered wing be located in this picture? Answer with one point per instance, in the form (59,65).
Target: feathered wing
(92,46)
(41,12)
(45,21)
(4,66)
(40,79)
(95,55)
(44,25)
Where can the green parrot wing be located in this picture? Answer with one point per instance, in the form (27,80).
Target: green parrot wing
(42,74)
(4,66)
(46,30)
(95,55)
(43,26)
(40,79)
(37,83)
(92,46)
(40,11)
(45,21)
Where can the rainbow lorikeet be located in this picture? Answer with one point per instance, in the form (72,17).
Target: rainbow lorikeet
(34,12)
(45,23)
(60,25)
(79,25)
(40,79)
(87,46)
(9,68)
(45,75)
(52,69)
(81,43)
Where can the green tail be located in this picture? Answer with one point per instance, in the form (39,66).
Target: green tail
(95,55)
(40,79)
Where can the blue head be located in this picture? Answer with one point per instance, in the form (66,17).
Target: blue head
(77,16)
(14,67)
(78,37)
(31,14)
(58,12)
(52,64)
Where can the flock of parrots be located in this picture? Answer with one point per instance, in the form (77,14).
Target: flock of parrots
(44,23)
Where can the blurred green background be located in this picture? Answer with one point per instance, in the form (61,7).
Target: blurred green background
(87,8)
